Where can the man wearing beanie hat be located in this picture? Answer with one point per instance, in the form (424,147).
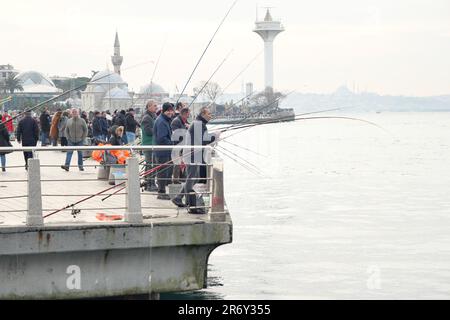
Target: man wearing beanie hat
(163,137)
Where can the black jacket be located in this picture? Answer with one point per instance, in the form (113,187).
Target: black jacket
(4,137)
(28,132)
(45,121)
(97,127)
(130,123)
(199,125)
(115,140)
(119,120)
(162,133)
(177,124)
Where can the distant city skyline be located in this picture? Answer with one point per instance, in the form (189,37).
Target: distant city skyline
(391,48)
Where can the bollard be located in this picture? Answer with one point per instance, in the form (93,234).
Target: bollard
(218,203)
(133,197)
(34,200)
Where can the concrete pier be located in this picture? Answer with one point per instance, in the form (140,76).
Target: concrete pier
(149,251)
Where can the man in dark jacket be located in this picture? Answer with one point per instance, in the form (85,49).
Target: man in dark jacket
(179,126)
(97,131)
(105,125)
(130,126)
(27,134)
(198,133)
(147,124)
(163,137)
(45,122)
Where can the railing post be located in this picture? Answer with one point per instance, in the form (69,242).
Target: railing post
(34,200)
(133,198)
(217,203)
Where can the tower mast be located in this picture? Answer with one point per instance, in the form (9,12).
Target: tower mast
(268,29)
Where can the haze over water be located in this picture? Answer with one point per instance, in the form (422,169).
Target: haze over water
(344,211)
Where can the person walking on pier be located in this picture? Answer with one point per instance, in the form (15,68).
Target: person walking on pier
(8,122)
(54,132)
(180,126)
(62,128)
(76,133)
(45,122)
(147,124)
(163,137)
(27,134)
(4,142)
(198,133)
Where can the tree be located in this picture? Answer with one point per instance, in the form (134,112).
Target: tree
(13,84)
(211,91)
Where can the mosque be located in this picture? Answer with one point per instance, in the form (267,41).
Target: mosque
(108,91)
(36,89)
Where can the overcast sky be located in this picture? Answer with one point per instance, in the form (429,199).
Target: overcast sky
(399,47)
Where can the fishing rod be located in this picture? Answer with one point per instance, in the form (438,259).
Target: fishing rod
(234,79)
(249,126)
(239,157)
(204,51)
(213,74)
(223,130)
(153,74)
(246,149)
(239,163)
(71,90)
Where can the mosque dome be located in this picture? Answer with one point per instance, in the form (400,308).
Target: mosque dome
(152,89)
(98,89)
(107,77)
(33,81)
(117,94)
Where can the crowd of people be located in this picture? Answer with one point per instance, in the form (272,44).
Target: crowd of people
(156,127)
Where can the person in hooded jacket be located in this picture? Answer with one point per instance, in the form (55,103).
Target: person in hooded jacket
(4,142)
(116,136)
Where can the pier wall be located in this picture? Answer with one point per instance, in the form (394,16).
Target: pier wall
(101,261)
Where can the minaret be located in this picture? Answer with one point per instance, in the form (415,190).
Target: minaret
(268,30)
(117,59)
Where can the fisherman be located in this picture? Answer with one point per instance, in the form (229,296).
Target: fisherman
(130,126)
(76,133)
(162,136)
(27,134)
(178,108)
(45,121)
(180,126)
(147,124)
(198,133)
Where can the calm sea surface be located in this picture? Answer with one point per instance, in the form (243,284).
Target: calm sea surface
(341,210)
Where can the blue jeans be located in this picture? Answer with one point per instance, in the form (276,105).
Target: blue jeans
(3,160)
(131,137)
(44,138)
(70,153)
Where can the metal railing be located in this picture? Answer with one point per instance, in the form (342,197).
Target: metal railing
(130,186)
